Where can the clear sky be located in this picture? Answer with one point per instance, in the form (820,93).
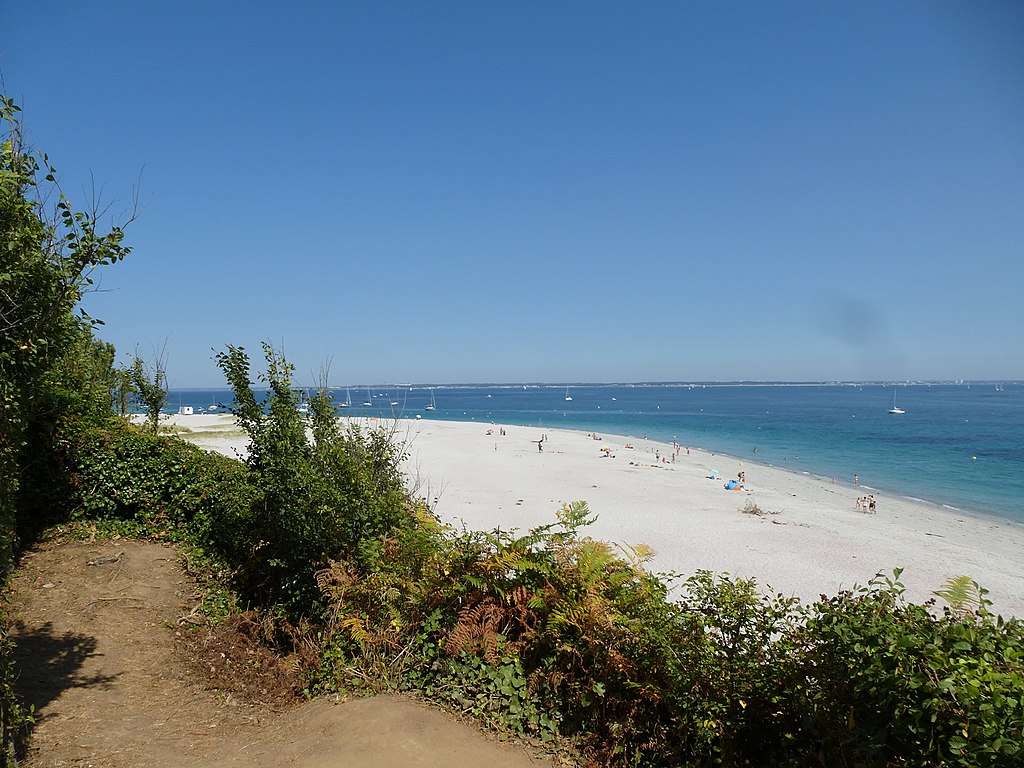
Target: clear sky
(436,192)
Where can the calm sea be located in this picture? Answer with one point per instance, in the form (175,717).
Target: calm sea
(961,446)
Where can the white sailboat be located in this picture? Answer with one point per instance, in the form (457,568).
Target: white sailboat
(431,405)
(568,397)
(892,405)
(348,399)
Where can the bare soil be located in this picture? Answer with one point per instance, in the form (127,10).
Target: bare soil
(119,678)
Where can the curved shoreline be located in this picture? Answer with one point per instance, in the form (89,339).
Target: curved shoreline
(880,491)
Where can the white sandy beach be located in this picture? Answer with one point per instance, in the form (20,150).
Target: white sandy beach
(813,541)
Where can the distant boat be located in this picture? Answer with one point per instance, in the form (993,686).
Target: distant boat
(431,405)
(369,398)
(567,395)
(892,405)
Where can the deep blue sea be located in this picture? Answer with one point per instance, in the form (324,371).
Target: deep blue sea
(957,445)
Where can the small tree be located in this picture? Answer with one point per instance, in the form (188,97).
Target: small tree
(122,391)
(330,498)
(150,384)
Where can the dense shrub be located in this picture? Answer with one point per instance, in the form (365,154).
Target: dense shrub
(326,494)
(889,683)
(551,633)
(157,486)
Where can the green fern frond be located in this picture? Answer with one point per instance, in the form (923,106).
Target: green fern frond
(574,516)
(963,594)
(355,627)
(502,562)
(637,555)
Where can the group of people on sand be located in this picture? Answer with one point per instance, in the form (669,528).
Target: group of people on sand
(866,504)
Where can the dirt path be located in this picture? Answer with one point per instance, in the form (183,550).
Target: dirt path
(100,657)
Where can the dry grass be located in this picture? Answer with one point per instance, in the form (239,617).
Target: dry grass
(750,508)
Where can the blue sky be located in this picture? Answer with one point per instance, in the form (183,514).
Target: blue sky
(484,192)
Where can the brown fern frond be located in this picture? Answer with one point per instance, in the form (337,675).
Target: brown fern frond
(519,596)
(477,629)
(335,578)
(523,619)
(621,664)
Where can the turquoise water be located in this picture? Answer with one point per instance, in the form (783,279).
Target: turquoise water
(957,445)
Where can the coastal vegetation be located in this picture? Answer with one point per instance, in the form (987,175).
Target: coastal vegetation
(546,633)
(52,369)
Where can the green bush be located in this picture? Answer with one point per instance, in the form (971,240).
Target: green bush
(889,683)
(332,495)
(119,472)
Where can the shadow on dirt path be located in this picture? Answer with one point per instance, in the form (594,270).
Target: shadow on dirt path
(50,663)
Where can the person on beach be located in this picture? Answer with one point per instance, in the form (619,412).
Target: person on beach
(871,504)
(856,480)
